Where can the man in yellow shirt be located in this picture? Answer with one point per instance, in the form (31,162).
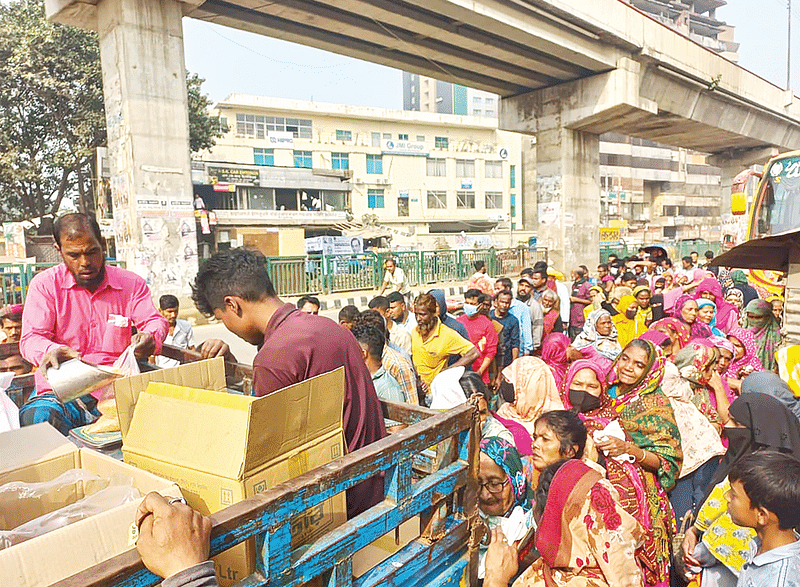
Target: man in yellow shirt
(432,343)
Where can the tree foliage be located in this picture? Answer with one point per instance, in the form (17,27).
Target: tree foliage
(51,113)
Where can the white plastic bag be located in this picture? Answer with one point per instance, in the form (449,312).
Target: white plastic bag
(106,402)
(9,412)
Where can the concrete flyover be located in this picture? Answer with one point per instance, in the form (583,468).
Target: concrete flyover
(567,70)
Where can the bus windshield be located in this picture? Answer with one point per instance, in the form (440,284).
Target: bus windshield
(779,201)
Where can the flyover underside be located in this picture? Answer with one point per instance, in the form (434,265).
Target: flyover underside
(507,52)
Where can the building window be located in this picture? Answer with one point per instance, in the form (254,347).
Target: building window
(441,142)
(375,164)
(493,169)
(494,200)
(402,137)
(376,139)
(264,157)
(420,138)
(387,136)
(489,107)
(477,112)
(512,176)
(465,200)
(465,168)
(402,205)
(437,200)
(477,102)
(513,205)
(302,159)
(250,125)
(344,135)
(436,167)
(374,198)
(340,160)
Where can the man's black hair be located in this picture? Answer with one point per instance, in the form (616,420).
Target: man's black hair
(373,319)
(472,293)
(687,258)
(579,271)
(667,260)
(709,254)
(478,264)
(168,301)
(232,272)
(603,266)
(308,300)
(483,298)
(612,255)
(472,383)
(395,296)
(628,276)
(540,266)
(75,222)
(504,292)
(505,282)
(543,486)
(527,271)
(381,302)
(771,480)
(348,313)
(694,253)
(540,273)
(372,338)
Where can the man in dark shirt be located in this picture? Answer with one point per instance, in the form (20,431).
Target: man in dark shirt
(510,332)
(234,287)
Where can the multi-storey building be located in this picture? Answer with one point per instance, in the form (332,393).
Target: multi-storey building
(395,178)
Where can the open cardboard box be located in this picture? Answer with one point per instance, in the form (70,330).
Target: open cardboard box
(221,448)
(40,453)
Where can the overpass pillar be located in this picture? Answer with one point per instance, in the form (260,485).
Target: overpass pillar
(144,85)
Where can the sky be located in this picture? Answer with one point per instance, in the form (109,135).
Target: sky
(233,61)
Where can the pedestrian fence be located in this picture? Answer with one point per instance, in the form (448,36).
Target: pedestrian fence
(675,250)
(317,274)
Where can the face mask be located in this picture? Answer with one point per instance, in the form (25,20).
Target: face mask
(738,439)
(506,390)
(583,401)
(470,310)
(614,271)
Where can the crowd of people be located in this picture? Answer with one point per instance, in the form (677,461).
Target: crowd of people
(634,428)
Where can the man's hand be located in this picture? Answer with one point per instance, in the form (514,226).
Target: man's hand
(172,537)
(687,548)
(501,561)
(214,347)
(56,356)
(144,345)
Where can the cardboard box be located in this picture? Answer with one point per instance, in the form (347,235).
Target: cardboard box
(40,453)
(221,448)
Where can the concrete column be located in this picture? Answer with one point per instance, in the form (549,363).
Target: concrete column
(141,48)
(568,196)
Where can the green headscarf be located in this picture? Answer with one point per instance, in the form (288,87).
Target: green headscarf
(765,329)
(738,277)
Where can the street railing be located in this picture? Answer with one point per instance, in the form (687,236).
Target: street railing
(16,277)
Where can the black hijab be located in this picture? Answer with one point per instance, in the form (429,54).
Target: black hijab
(769,424)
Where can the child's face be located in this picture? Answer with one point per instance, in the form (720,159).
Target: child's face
(741,511)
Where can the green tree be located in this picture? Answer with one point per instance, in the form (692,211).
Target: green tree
(51,113)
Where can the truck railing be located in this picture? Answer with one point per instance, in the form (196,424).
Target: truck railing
(442,492)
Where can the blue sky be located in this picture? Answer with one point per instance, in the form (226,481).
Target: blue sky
(234,61)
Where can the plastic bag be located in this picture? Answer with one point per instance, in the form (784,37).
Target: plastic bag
(108,421)
(100,501)
(9,412)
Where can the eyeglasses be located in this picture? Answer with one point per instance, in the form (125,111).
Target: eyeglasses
(493,486)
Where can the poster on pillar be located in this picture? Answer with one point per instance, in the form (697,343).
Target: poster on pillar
(549,213)
(154,231)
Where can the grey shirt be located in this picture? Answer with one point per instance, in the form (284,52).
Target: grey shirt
(779,567)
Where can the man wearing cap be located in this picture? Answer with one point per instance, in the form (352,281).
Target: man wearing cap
(525,287)
(83,308)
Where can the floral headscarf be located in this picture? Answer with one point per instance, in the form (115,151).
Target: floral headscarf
(738,277)
(693,360)
(699,329)
(749,359)
(607,346)
(765,329)
(722,343)
(507,458)
(681,329)
(702,303)
(736,293)
(650,379)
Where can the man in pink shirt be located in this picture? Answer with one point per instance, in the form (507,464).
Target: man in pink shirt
(85,309)
(481,331)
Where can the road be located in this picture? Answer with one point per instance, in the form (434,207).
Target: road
(243,351)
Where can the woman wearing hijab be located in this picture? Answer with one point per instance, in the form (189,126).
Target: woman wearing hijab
(685,310)
(727,314)
(726,351)
(771,384)
(739,280)
(584,536)
(714,545)
(678,332)
(554,353)
(644,313)
(598,338)
(529,388)
(626,322)
(745,360)
(695,390)
(766,331)
(504,497)
(645,464)
(707,314)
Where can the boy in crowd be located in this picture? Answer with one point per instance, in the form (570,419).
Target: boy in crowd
(180,331)
(347,315)
(764,495)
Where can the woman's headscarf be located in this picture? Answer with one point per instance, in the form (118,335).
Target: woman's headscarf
(608,346)
(770,383)
(737,293)
(769,424)
(680,328)
(507,458)
(579,365)
(749,359)
(650,379)
(738,277)
(765,329)
(554,353)
(693,360)
(727,313)
(699,329)
(722,343)
(702,303)
(535,391)
(626,327)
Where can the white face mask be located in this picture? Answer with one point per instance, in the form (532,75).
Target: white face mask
(470,310)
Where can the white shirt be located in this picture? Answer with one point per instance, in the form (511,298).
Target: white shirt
(182,337)
(396,281)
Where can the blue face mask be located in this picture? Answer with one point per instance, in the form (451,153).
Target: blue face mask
(470,310)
